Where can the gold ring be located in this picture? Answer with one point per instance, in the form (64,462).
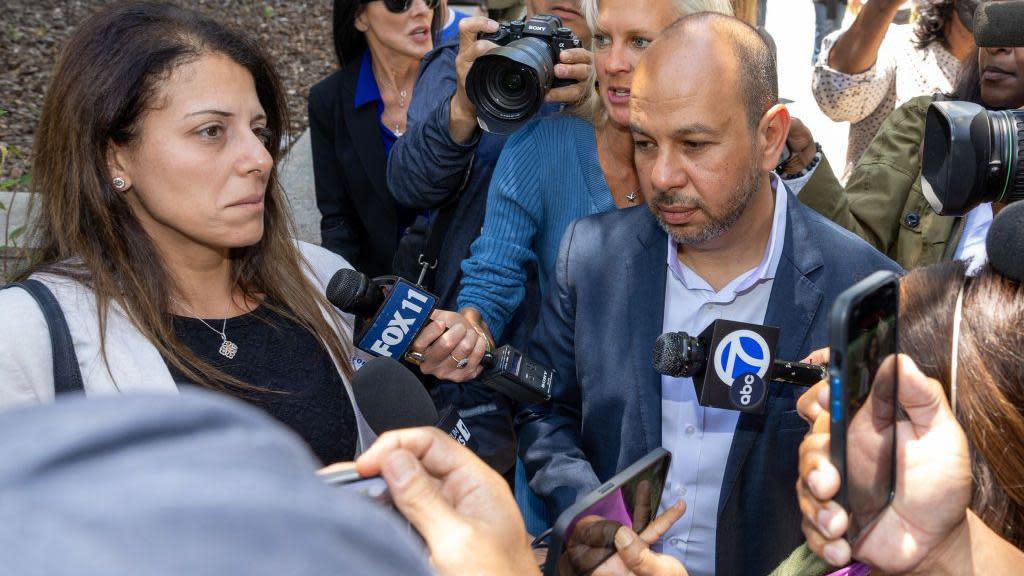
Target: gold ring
(459,364)
(414,357)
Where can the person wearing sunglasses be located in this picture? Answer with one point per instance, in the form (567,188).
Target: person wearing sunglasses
(356,114)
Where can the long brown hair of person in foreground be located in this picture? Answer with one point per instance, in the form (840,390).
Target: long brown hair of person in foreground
(990,376)
(107,78)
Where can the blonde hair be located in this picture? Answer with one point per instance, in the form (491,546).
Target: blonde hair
(591,107)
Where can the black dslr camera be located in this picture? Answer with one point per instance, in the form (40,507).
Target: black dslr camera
(508,84)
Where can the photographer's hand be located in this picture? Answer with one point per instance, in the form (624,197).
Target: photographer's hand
(576,64)
(802,148)
(462,120)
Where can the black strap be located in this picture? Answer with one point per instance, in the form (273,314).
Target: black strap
(438,231)
(67,378)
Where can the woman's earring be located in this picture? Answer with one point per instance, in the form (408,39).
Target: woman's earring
(119,183)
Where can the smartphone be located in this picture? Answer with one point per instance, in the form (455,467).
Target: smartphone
(863,337)
(584,535)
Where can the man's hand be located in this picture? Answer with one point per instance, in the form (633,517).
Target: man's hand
(576,64)
(802,148)
(462,121)
(930,444)
(451,346)
(633,551)
(462,508)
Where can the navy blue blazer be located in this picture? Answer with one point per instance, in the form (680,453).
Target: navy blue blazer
(597,329)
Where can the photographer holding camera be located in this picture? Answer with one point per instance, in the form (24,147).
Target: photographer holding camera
(442,165)
(883,200)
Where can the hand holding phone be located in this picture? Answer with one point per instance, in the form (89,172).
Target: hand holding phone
(863,336)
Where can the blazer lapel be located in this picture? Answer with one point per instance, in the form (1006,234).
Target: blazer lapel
(645,274)
(363,125)
(793,303)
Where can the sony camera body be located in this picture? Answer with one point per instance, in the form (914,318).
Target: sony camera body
(508,84)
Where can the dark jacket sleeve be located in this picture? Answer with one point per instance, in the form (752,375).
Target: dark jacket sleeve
(872,203)
(550,444)
(340,226)
(426,166)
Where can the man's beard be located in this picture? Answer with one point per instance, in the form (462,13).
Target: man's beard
(717,224)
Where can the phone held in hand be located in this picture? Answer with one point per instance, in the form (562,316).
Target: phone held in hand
(583,538)
(863,336)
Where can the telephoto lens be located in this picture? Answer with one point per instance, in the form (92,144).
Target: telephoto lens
(508,84)
(970,156)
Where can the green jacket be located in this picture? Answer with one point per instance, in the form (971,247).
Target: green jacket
(882,202)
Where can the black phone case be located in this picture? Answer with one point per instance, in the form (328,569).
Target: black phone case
(838,328)
(617,481)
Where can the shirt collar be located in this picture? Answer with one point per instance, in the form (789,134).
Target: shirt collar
(366,86)
(765,270)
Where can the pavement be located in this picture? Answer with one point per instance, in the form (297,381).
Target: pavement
(791,25)
(296,176)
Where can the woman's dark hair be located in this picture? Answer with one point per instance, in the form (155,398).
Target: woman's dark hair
(968,81)
(990,376)
(930,25)
(350,43)
(109,75)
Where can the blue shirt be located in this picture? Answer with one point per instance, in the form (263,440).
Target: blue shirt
(451,29)
(367,91)
(547,176)
(700,438)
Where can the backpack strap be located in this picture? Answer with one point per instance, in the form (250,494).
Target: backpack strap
(67,378)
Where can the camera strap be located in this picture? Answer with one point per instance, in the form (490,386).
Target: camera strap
(438,228)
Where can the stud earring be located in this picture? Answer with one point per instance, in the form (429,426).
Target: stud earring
(119,183)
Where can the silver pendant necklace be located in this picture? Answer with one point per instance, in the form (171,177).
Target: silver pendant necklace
(228,349)
(632,195)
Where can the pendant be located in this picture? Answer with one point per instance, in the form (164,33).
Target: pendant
(228,349)
(631,197)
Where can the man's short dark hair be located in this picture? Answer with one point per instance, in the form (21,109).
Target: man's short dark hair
(758,81)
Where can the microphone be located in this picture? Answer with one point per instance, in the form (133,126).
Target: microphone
(742,362)
(1005,242)
(999,23)
(390,312)
(391,397)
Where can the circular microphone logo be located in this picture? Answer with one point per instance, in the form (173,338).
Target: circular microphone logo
(741,352)
(748,391)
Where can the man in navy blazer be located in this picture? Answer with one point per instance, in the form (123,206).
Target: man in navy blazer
(708,130)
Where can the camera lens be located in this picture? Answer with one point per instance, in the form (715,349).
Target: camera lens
(508,84)
(971,156)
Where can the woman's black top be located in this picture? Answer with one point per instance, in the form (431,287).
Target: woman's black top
(304,389)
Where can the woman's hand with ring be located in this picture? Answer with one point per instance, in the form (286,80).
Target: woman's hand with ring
(451,346)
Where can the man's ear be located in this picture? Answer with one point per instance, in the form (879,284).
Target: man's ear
(118,167)
(771,135)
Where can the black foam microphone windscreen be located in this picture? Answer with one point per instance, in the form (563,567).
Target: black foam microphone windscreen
(1005,242)
(391,397)
(354,292)
(999,23)
(669,358)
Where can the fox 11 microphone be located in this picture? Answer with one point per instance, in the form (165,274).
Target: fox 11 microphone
(743,362)
(390,312)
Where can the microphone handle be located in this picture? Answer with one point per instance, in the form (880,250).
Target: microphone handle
(798,373)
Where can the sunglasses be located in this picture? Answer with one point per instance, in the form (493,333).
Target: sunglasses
(399,6)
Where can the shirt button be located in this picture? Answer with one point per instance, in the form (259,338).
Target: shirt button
(912,220)
(680,491)
(675,542)
(690,429)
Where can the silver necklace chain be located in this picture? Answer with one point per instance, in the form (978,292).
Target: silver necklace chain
(228,349)
(402,95)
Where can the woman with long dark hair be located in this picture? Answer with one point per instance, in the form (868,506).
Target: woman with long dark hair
(356,114)
(164,237)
